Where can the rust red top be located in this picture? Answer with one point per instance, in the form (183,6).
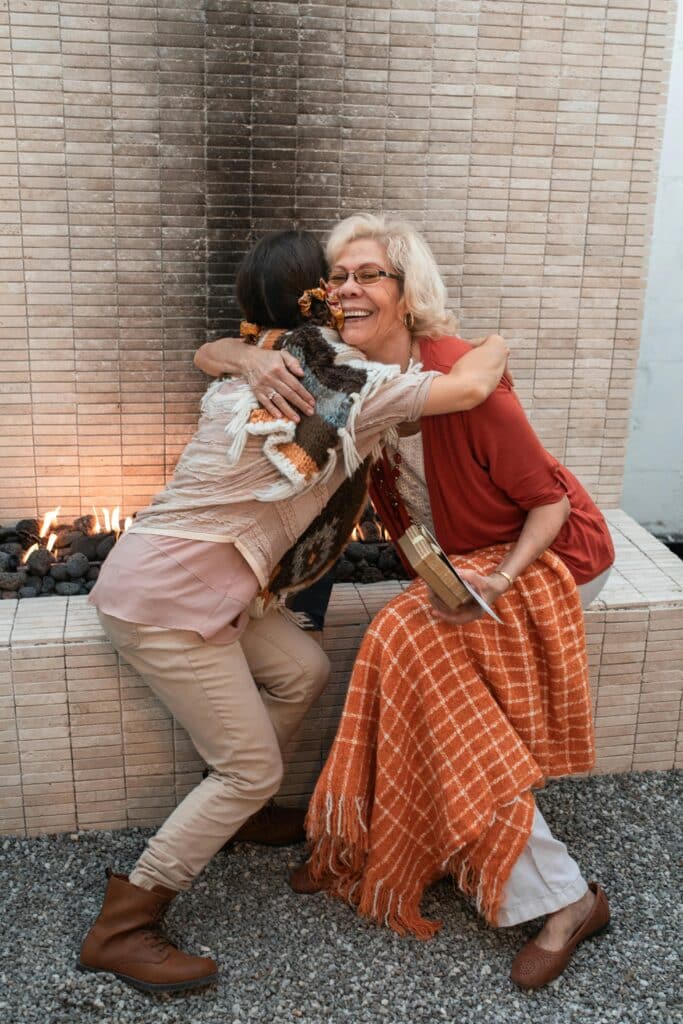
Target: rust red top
(486,468)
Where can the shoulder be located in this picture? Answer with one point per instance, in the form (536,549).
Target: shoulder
(441,353)
(444,352)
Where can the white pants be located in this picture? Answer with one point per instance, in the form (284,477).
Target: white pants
(544,878)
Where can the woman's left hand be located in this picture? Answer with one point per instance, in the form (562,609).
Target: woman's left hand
(490,588)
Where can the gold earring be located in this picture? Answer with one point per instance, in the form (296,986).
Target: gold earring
(408,320)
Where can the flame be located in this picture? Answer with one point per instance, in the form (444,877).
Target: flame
(49,520)
(25,556)
(111,520)
(51,542)
(357,533)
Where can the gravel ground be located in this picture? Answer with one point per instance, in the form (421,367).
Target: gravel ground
(301,959)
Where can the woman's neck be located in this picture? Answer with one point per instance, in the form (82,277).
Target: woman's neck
(400,348)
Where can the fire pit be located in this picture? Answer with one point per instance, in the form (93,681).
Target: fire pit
(42,557)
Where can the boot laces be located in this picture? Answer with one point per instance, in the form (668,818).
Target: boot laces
(153,936)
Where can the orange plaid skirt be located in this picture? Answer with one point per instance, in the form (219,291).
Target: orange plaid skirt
(444,732)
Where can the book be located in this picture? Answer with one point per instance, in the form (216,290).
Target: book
(426,556)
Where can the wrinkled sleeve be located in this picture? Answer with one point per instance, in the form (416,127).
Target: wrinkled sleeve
(400,400)
(505,444)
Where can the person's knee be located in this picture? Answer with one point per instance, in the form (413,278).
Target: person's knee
(256,771)
(316,673)
(271,776)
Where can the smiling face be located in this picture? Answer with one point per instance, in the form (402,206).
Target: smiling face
(373,314)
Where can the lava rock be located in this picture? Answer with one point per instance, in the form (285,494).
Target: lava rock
(48,586)
(388,560)
(77,566)
(12,548)
(344,570)
(105,546)
(355,551)
(58,572)
(371,553)
(7,562)
(27,592)
(370,530)
(9,595)
(34,581)
(65,535)
(8,534)
(68,589)
(86,524)
(28,529)
(93,572)
(39,561)
(85,545)
(88,586)
(11,580)
(371,575)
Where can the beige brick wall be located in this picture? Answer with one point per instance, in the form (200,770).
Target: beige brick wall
(142,145)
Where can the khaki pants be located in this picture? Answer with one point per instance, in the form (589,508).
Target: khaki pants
(238,729)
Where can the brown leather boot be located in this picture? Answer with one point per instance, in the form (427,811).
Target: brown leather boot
(126,940)
(273,825)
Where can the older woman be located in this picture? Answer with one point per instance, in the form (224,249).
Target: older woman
(484,483)
(254,509)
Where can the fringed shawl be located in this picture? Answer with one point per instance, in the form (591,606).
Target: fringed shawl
(444,731)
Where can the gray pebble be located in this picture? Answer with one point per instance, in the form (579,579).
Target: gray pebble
(285,958)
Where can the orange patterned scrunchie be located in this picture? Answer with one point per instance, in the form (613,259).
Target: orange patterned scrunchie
(321,294)
(249,332)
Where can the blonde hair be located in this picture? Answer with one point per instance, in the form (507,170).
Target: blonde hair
(423,289)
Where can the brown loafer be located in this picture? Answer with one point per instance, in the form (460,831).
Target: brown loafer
(534,966)
(301,881)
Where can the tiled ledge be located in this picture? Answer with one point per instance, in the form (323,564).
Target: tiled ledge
(84,744)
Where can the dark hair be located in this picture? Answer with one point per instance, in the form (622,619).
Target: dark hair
(274,273)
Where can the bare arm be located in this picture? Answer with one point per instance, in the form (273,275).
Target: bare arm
(471,380)
(540,529)
(272,375)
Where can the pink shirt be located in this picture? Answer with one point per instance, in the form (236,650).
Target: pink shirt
(204,586)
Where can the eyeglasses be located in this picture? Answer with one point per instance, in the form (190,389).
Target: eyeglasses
(364,276)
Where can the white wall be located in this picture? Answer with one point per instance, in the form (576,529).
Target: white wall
(653,481)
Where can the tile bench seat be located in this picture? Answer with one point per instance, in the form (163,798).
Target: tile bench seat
(84,744)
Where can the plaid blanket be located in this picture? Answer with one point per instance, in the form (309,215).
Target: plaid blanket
(444,732)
